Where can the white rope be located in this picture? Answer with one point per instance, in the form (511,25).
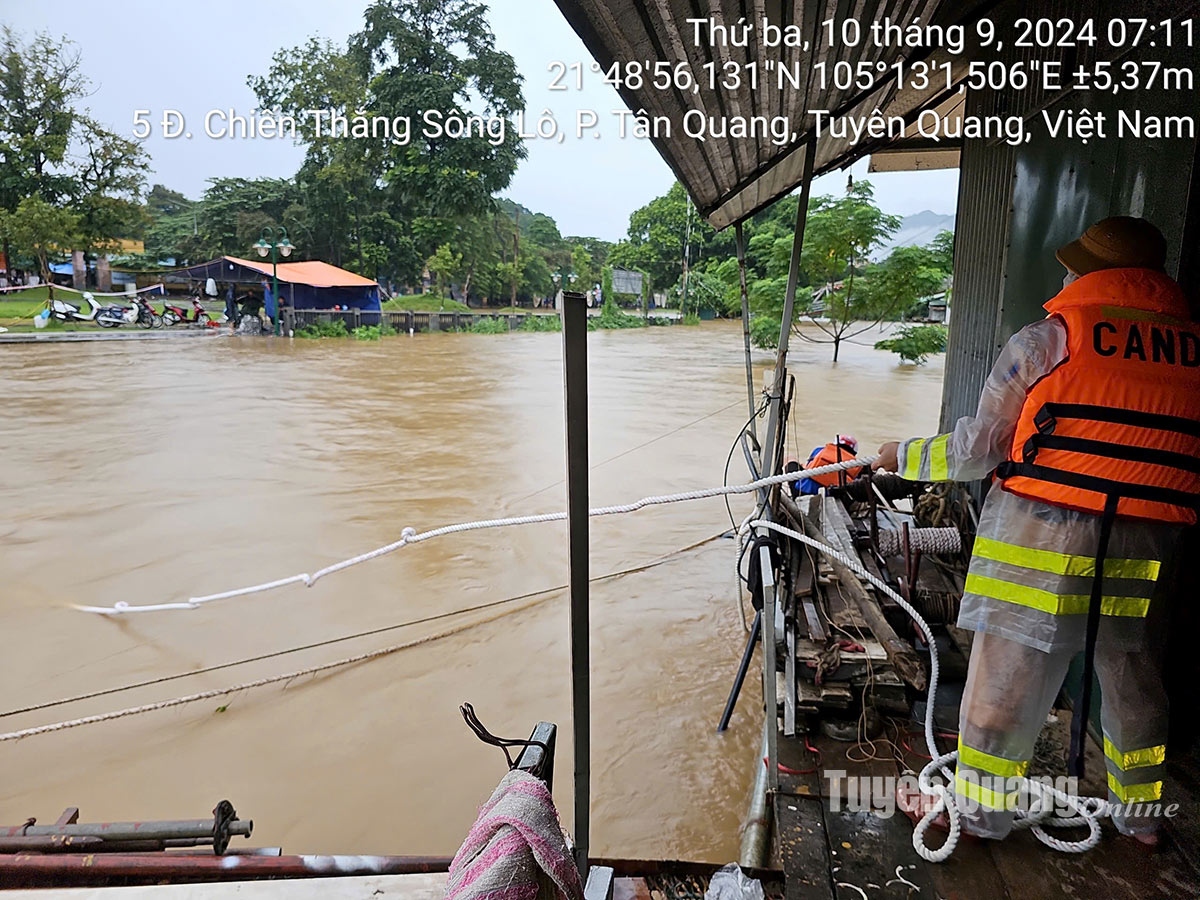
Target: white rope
(260,682)
(160,288)
(412,536)
(1088,810)
(927,540)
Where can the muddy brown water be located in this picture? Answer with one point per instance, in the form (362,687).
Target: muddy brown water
(153,472)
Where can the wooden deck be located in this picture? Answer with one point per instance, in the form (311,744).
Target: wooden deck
(847,855)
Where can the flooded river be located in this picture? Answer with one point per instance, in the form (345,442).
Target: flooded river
(153,471)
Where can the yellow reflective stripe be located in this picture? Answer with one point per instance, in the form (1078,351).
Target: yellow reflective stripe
(1135,759)
(1054,604)
(984,796)
(1141,315)
(1135,793)
(939,465)
(992,765)
(1065,563)
(912,459)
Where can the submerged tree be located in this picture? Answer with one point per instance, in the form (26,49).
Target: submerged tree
(839,237)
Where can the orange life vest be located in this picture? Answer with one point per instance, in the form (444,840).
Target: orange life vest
(1121,416)
(828,456)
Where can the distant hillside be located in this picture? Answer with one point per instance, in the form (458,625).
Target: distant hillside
(916,231)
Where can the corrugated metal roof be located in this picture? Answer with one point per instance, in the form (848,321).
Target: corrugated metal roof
(731,178)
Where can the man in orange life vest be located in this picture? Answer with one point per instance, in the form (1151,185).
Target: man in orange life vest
(843,448)
(1091,421)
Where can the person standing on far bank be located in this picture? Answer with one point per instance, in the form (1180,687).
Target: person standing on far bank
(1091,420)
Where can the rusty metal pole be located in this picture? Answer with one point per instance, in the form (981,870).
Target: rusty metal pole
(574,315)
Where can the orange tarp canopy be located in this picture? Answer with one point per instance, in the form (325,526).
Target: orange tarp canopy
(313,273)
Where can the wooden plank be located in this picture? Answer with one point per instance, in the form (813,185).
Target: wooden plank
(803,848)
(1119,869)
(872,856)
(799,775)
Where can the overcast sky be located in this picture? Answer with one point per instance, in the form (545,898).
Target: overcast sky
(196,56)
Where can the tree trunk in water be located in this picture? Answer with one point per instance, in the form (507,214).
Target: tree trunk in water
(837,346)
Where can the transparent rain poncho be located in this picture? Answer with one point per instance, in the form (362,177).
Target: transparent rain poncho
(973,449)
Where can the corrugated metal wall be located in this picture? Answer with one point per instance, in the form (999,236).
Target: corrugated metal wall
(1016,206)
(980,255)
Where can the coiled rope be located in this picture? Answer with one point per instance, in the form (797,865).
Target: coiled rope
(1041,814)
(412,536)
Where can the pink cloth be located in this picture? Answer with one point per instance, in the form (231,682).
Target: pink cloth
(516,849)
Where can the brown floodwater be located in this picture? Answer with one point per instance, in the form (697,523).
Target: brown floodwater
(151,472)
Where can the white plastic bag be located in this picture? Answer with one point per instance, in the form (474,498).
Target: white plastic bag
(731,883)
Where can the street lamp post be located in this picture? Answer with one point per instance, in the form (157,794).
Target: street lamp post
(267,246)
(561,279)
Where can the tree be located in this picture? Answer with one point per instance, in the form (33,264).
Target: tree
(52,154)
(942,249)
(914,343)
(660,233)
(234,211)
(172,225)
(410,56)
(839,236)
(444,266)
(110,180)
(903,279)
(39,228)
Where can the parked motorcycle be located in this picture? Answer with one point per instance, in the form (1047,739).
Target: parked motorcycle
(173,315)
(84,311)
(146,316)
(116,316)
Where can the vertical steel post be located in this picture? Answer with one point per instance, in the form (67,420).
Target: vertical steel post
(741,257)
(789,308)
(275,283)
(575,380)
(770,700)
(770,456)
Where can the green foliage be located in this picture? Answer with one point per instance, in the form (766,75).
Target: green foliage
(541,323)
(898,283)
(444,266)
(658,234)
(840,234)
(611,317)
(942,250)
(335,328)
(764,331)
(489,326)
(914,343)
(53,153)
(423,303)
(39,228)
(691,319)
(367,333)
(607,292)
(383,206)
